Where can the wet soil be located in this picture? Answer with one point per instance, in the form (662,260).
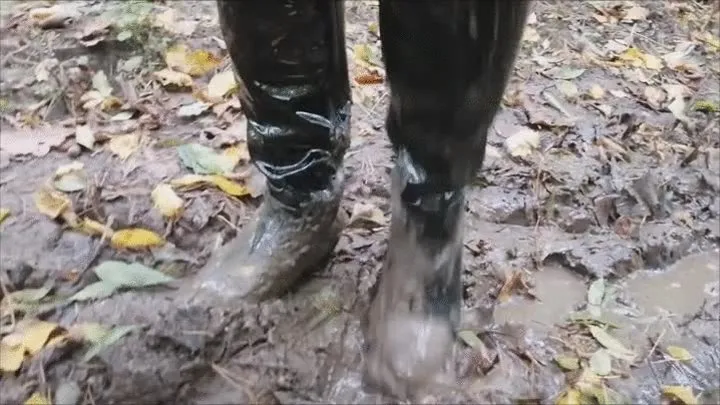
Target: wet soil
(619,188)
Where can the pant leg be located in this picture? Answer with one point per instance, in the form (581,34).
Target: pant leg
(447,64)
(290,58)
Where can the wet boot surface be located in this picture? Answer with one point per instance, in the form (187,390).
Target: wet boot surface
(616,190)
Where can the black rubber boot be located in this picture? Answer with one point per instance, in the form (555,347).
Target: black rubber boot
(447,63)
(290,59)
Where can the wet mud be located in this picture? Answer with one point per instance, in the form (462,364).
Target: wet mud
(643,215)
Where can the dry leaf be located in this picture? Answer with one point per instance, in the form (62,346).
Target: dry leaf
(222,84)
(613,345)
(11,356)
(228,186)
(135,238)
(192,110)
(596,92)
(601,363)
(70,177)
(567,88)
(512,282)
(522,143)
(189,180)
(680,393)
(237,154)
(36,335)
(4,213)
(124,145)
(568,363)
(570,397)
(95,228)
(369,78)
(679,353)
(51,203)
(194,63)
(654,96)
(172,79)
(37,399)
(166,201)
(366,213)
(637,58)
(636,13)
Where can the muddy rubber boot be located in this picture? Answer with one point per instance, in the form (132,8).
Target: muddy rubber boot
(447,63)
(290,59)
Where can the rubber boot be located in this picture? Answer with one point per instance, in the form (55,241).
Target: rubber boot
(290,60)
(447,64)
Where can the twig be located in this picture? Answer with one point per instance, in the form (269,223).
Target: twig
(225,374)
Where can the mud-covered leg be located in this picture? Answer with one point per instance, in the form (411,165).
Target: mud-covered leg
(447,63)
(290,59)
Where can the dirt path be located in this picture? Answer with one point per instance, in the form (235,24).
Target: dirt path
(592,261)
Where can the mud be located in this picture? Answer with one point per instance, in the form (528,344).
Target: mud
(643,214)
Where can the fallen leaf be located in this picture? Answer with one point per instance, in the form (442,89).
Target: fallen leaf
(567,88)
(567,363)
(530,35)
(522,143)
(636,13)
(637,58)
(512,282)
(94,291)
(88,332)
(57,16)
(42,70)
(706,106)
(677,108)
(228,186)
(679,353)
(36,335)
(194,63)
(166,201)
(567,73)
(132,64)
(596,292)
(367,214)
(95,228)
(613,345)
(362,53)
(4,214)
(596,92)
(135,238)
(654,96)
(122,116)
(37,399)
(681,393)
(170,78)
(11,356)
(37,141)
(369,78)
(222,84)
(28,295)
(111,338)
(203,160)
(570,397)
(101,84)
(132,275)
(192,110)
(237,154)
(189,180)
(51,203)
(601,363)
(70,178)
(124,145)
(471,339)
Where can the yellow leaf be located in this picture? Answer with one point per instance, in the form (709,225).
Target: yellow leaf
(37,399)
(570,397)
(135,238)
(171,78)
(189,180)
(596,92)
(195,63)
(36,334)
(362,52)
(111,103)
(95,228)
(4,213)
(229,186)
(568,362)
(88,332)
(679,353)
(11,356)
(59,339)
(237,154)
(124,145)
(51,203)
(679,392)
(639,59)
(166,201)
(221,84)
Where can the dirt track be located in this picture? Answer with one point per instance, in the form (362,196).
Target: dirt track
(614,175)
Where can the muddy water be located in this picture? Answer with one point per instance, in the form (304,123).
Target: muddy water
(558,292)
(681,289)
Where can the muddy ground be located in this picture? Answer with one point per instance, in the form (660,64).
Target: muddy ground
(604,164)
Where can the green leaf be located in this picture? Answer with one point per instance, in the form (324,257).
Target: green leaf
(471,339)
(94,291)
(108,340)
(596,292)
(203,160)
(124,35)
(134,275)
(613,345)
(568,363)
(567,73)
(29,294)
(679,353)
